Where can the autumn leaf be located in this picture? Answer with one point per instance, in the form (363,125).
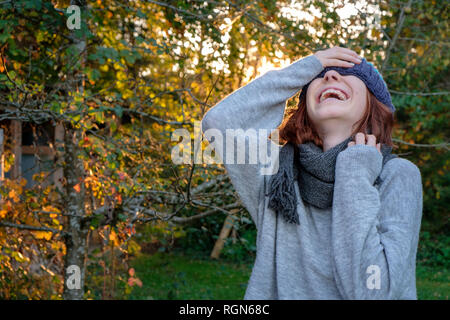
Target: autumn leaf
(23,182)
(118,198)
(3,213)
(77,187)
(13,195)
(114,238)
(43,235)
(130,231)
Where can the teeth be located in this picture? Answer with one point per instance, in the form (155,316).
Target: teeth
(327,93)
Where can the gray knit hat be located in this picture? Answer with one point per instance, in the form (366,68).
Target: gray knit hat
(368,74)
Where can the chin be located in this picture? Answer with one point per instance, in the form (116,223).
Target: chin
(332,111)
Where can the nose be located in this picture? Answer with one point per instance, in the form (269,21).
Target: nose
(332,75)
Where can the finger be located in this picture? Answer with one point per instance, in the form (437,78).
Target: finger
(379,147)
(340,63)
(371,140)
(349,52)
(349,58)
(351,143)
(360,138)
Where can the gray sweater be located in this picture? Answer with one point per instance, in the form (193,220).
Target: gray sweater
(364,247)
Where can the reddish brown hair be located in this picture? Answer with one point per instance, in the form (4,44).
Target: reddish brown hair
(297,128)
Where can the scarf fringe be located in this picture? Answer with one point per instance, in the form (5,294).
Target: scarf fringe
(282,199)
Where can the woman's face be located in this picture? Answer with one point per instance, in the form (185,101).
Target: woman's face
(336,100)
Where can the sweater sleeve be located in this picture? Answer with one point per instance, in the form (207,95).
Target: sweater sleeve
(253,111)
(375,232)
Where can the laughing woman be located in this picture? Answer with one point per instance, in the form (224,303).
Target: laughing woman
(340,218)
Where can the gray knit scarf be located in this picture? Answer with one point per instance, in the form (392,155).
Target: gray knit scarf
(314,170)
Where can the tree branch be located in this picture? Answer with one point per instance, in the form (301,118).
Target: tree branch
(261,24)
(401,19)
(200,17)
(28,227)
(444,145)
(441,93)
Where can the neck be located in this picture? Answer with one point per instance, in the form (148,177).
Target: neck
(332,139)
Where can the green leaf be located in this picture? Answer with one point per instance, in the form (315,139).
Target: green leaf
(118,110)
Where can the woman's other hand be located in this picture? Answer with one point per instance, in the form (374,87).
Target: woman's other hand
(361,138)
(338,57)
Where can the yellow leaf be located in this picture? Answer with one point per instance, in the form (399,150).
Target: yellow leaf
(43,235)
(113,237)
(23,182)
(3,213)
(420,51)
(57,246)
(375,33)
(19,257)
(13,195)
(104,68)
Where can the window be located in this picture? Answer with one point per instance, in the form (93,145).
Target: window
(34,149)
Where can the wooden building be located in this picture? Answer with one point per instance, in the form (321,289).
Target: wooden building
(34,149)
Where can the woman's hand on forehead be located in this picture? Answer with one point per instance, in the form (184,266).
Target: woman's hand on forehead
(338,57)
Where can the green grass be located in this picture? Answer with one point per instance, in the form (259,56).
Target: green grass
(177,276)
(180,276)
(432,283)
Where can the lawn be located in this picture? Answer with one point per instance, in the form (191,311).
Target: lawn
(432,283)
(180,276)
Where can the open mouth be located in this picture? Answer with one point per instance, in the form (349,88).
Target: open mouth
(333,93)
